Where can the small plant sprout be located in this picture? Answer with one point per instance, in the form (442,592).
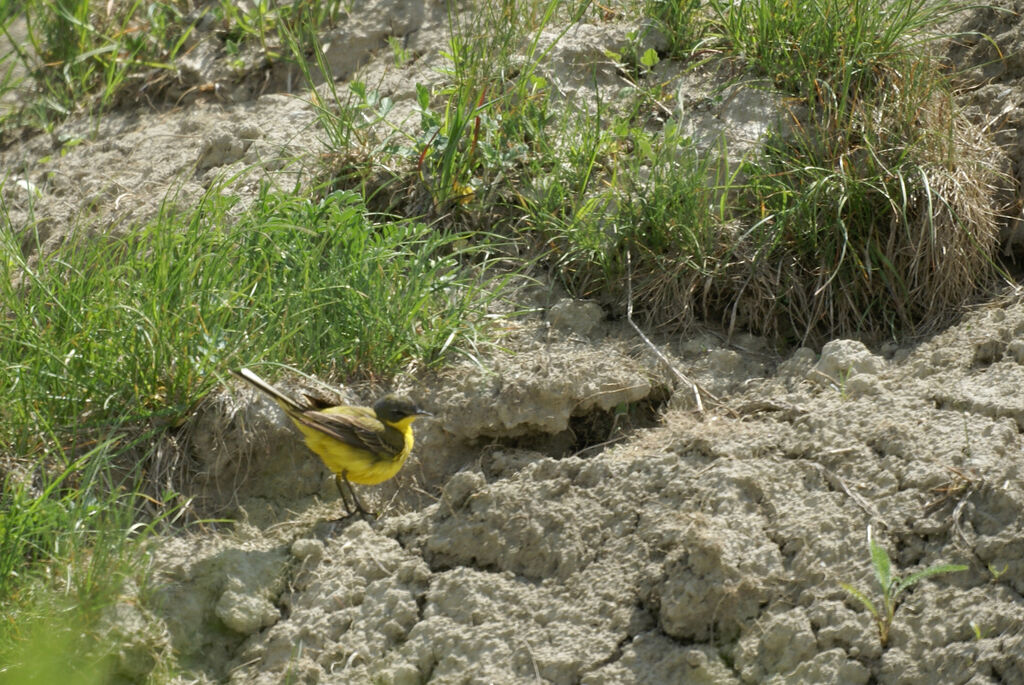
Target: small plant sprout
(649,59)
(844,376)
(979,632)
(996,572)
(892,586)
(398,51)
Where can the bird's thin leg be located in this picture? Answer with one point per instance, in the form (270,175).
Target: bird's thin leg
(339,479)
(358,506)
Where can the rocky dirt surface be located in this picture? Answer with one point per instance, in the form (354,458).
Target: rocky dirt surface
(705,549)
(571,516)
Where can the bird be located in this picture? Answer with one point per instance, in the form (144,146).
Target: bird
(364,445)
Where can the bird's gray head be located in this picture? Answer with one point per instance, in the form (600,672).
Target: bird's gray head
(393,408)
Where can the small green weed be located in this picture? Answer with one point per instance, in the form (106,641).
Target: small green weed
(892,587)
(979,632)
(398,51)
(997,572)
(448,156)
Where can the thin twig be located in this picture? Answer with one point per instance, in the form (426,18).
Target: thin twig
(835,480)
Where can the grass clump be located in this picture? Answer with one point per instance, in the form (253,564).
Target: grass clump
(139,326)
(869,209)
(80,54)
(87,56)
(880,214)
(628,190)
(873,204)
(473,131)
(69,541)
(844,43)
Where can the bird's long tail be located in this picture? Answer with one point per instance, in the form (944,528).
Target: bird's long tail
(287,403)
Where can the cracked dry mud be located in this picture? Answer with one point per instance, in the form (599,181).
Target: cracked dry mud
(670,547)
(697,550)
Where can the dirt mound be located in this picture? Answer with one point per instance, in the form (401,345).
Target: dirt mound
(707,547)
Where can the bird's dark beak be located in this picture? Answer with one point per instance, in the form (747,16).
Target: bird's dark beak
(423,412)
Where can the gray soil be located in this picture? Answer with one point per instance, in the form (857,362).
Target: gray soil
(572,515)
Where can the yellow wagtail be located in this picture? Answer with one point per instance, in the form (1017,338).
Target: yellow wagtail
(365,445)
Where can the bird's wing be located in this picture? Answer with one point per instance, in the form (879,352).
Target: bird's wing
(358,427)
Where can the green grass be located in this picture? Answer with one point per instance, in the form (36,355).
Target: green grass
(843,43)
(87,56)
(837,227)
(624,189)
(472,132)
(69,540)
(878,199)
(869,212)
(81,57)
(139,327)
(681,22)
